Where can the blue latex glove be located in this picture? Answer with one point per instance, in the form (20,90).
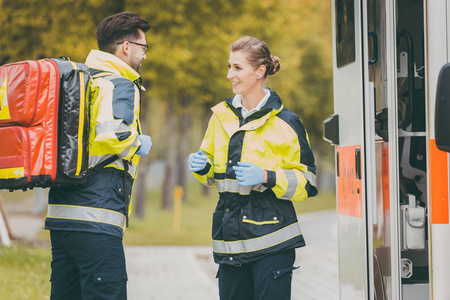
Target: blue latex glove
(248,174)
(146,145)
(197,161)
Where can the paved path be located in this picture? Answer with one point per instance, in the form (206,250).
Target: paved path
(173,272)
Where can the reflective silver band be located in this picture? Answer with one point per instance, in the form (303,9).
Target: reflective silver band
(230,185)
(210,181)
(310,177)
(292,184)
(83,213)
(127,150)
(112,126)
(96,159)
(260,243)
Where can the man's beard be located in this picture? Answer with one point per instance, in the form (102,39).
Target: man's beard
(136,67)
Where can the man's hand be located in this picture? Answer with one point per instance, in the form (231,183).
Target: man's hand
(249,174)
(197,161)
(146,145)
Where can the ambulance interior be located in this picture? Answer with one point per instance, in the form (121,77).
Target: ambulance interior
(412,156)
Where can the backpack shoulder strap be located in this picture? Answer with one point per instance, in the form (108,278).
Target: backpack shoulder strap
(97,74)
(101,74)
(103,164)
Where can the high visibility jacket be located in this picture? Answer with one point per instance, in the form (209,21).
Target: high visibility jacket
(114,111)
(100,205)
(251,222)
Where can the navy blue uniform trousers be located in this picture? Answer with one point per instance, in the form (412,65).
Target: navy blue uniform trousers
(87,266)
(267,278)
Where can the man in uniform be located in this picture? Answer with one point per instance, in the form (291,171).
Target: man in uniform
(87,221)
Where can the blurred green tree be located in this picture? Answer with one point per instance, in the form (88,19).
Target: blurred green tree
(35,29)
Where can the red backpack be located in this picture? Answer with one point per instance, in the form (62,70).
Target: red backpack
(44,123)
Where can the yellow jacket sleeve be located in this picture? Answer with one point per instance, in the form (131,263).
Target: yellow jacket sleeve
(295,178)
(206,176)
(116,118)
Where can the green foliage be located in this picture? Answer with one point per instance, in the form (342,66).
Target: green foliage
(35,29)
(188,48)
(189,43)
(24,272)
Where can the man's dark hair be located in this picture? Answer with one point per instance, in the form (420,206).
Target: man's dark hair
(117,28)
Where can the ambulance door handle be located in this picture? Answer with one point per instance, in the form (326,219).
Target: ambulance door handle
(358,163)
(337,163)
(375,48)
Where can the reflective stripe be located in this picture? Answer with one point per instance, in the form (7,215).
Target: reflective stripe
(127,149)
(83,213)
(210,181)
(232,185)
(310,177)
(292,184)
(96,159)
(260,243)
(112,126)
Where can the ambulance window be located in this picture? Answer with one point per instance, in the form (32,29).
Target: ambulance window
(345,32)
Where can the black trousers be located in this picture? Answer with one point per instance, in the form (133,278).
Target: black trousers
(87,266)
(267,278)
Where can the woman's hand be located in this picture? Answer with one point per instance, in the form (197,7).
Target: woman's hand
(248,174)
(197,161)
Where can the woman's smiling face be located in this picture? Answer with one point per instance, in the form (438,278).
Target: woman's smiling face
(242,74)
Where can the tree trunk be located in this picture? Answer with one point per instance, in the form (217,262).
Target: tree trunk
(140,190)
(167,187)
(184,126)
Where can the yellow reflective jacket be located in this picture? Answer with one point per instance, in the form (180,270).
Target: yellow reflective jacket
(114,115)
(100,204)
(251,222)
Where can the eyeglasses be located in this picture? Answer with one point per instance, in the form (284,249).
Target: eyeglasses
(143,45)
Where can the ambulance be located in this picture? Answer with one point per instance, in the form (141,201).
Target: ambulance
(391,132)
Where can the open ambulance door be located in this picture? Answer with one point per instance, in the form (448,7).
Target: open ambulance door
(346,130)
(366,108)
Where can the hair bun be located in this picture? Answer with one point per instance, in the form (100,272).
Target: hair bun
(275,64)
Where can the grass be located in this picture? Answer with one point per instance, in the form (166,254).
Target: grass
(24,272)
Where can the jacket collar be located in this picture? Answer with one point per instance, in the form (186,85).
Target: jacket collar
(273,103)
(109,62)
(230,117)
